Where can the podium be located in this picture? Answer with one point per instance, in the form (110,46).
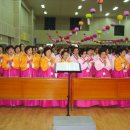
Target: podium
(74,123)
(65,67)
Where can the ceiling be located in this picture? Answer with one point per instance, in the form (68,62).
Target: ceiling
(67,8)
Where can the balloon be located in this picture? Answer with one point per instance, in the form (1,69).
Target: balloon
(70,34)
(104,29)
(100,2)
(88,15)
(76,29)
(120,18)
(92,10)
(81,23)
(126,13)
(113,24)
(99,31)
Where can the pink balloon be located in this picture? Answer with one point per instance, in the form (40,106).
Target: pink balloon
(92,10)
(126,13)
(104,29)
(95,35)
(113,24)
(76,29)
(70,33)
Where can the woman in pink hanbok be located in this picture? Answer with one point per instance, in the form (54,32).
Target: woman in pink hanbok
(102,66)
(58,56)
(64,59)
(75,57)
(90,58)
(85,65)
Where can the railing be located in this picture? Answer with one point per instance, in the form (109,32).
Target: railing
(56,89)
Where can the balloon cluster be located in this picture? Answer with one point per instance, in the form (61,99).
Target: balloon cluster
(120,40)
(106,28)
(125,14)
(67,37)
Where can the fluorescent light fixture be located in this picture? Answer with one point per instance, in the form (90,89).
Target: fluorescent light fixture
(76,13)
(125,1)
(43,6)
(83,0)
(115,8)
(80,7)
(45,12)
(107,14)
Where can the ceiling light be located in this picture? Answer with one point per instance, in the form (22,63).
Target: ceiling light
(115,8)
(76,13)
(83,0)
(43,6)
(125,1)
(107,14)
(80,7)
(45,12)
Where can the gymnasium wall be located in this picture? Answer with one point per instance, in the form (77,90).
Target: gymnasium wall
(6,20)
(62,24)
(16,22)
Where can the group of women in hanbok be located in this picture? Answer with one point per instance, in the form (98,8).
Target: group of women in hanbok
(27,63)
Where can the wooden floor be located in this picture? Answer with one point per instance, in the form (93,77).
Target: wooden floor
(23,118)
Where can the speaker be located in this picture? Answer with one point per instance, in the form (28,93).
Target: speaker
(119,30)
(50,23)
(74,22)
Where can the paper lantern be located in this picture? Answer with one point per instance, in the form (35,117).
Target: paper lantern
(100,2)
(113,24)
(95,35)
(126,39)
(120,18)
(99,32)
(24,37)
(126,14)
(70,34)
(73,31)
(104,29)
(66,37)
(81,23)
(88,16)
(76,29)
(92,10)
(107,27)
